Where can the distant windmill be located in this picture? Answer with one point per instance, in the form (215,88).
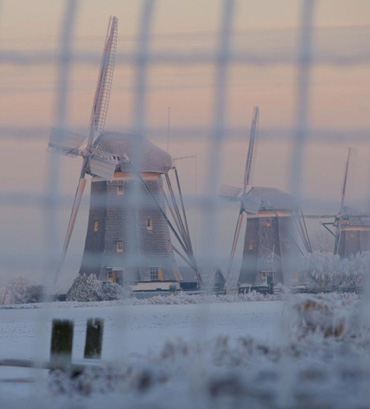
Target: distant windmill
(352,229)
(273,224)
(121,168)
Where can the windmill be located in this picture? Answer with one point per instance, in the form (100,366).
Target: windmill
(95,162)
(127,242)
(273,228)
(351,229)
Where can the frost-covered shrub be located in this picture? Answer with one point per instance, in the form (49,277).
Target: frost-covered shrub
(326,315)
(89,288)
(112,291)
(20,291)
(327,271)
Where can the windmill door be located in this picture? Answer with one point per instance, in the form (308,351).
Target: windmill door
(118,275)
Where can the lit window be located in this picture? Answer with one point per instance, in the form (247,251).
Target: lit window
(268,223)
(119,246)
(154,273)
(250,246)
(96,225)
(149,224)
(120,190)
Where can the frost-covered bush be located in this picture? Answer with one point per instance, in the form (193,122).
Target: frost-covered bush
(184,298)
(20,291)
(324,315)
(89,288)
(327,271)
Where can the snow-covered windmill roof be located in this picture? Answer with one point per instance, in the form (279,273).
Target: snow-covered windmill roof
(264,198)
(272,199)
(149,157)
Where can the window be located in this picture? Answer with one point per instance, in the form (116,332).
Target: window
(110,276)
(96,225)
(154,273)
(149,224)
(250,246)
(120,190)
(268,222)
(119,246)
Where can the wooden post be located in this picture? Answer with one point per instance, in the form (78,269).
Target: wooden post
(61,343)
(94,338)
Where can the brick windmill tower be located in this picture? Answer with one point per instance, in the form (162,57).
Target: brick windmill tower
(275,233)
(128,237)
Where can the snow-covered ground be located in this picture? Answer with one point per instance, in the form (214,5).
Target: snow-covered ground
(310,352)
(136,329)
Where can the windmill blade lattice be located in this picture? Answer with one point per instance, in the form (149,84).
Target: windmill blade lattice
(102,95)
(252,151)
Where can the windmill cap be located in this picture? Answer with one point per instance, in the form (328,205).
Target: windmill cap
(272,198)
(145,156)
(261,198)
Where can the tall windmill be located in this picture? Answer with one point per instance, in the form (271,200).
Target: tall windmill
(352,229)
(95,162)
(275,232)
(128,240)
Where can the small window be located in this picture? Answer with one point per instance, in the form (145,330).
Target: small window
(120,190)
(268,223)
(96,225)
(119,246)
(250,246)
(110,276)
(149,224)
(154,273)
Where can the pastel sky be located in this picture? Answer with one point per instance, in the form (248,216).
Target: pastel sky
(340,97)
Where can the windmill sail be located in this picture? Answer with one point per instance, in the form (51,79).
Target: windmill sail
(101,100)
(345,180)
(72,221)
(65,142)
(339,218)
(230,192)
(252,151)
(102,169)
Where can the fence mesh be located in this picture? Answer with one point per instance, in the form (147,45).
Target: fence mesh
(308,77)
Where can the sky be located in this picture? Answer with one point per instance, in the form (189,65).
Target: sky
(339,101)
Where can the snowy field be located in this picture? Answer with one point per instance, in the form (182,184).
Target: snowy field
(139,328)
(217,355)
